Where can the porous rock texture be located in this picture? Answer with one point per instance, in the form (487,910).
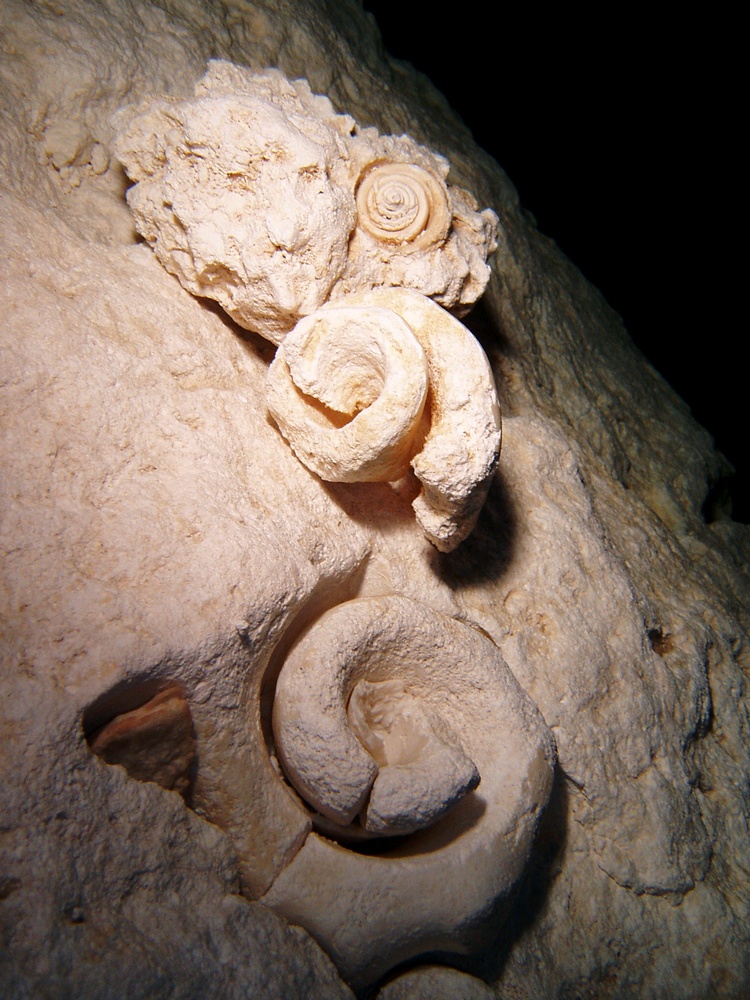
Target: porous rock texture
(156,531)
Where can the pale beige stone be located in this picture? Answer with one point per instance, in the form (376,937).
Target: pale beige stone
(422,768)
(435,982)
(403,204)
(457,461)
(241,194)
(157,529)
(356,715)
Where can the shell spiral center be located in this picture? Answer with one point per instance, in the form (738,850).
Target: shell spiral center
(403,203)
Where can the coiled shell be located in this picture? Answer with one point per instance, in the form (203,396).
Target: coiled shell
(348,389)
(435,706)
(403,203)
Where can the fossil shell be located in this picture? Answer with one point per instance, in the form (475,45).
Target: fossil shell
(257,194)
(435,704)
(352,737)
(153,742)
(347,388)
(244,193)
(403,203)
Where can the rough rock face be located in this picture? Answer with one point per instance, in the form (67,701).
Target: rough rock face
(158,533)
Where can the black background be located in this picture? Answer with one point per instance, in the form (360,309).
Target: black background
(621,132)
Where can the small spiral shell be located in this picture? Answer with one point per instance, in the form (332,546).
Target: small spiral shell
(404,204)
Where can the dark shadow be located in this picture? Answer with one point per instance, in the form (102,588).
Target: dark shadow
(484,325)
(489,549)
(487,327)
(376,505)
(125,696)
(459,820)
(122,184)
(482,558)
(718,504)
(256,345)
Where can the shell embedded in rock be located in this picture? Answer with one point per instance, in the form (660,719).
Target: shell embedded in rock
(403,203)
(244,193)
(358,720)
(347,388)
(250,192)
(344,351)
(442,707)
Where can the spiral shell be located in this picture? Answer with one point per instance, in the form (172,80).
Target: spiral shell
(386,712)
(347,388)
(353,738)
(402,203)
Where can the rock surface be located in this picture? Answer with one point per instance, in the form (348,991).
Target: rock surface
(156,530)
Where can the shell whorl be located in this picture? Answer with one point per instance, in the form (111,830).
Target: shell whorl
(386,712)
(347,389)
(361,721)
(402,203)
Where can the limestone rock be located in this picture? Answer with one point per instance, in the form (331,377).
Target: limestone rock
(157,531)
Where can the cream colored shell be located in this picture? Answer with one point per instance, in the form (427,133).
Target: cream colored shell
(257,194)
(378,348)
(403,203)
(347,389)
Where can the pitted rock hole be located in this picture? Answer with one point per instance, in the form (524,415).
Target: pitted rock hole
(661,641)
(146,728)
